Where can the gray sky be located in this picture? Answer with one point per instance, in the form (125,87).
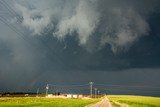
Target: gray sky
(77,41)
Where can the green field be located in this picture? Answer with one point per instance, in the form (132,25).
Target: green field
(118,101)
(44,102)
(136,101)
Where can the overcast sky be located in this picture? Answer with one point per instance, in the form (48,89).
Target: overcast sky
(64,42)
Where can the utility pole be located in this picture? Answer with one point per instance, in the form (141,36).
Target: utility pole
(37,91)
(47,88)
(95,92)
(91,88)
(98,93)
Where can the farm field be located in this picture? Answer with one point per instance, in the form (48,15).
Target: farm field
(136,101)
(44,102)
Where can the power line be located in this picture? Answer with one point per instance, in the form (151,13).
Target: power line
(14,29)
(12,11)
(129,86)
(79,85)
(78,88)
(8,7)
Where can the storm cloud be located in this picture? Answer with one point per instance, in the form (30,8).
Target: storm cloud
(58,41)
(115,23)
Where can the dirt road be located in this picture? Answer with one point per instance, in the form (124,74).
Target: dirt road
(103,103)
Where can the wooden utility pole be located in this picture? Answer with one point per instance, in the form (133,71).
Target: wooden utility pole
(91,89)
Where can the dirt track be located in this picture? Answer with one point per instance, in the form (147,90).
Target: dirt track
(103,103)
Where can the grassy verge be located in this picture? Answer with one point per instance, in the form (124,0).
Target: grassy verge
(44,102)
(135,101)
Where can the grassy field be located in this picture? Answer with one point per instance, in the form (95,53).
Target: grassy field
(44,102)
(136,101)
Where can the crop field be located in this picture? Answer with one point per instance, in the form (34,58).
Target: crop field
(135,101)
(44,102)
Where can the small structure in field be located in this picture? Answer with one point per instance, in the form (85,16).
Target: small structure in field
(74,96)
(65,96)
(49,95)
(26,95)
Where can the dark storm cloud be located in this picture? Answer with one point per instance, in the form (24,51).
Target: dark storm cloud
(96,23)
(115,23)
(79,40)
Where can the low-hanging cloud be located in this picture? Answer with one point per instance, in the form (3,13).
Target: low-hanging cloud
(122,28)
(83,21)
(34,20)
(115,23)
